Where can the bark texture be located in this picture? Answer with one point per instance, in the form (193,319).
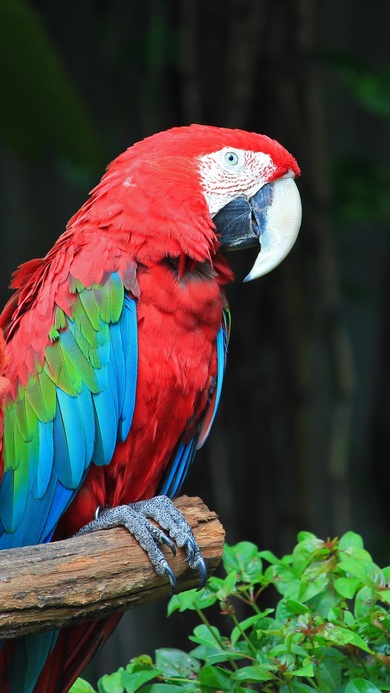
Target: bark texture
(90,577)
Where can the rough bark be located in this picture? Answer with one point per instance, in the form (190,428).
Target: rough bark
(90,577)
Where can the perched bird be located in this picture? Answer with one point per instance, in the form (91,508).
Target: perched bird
(115,355)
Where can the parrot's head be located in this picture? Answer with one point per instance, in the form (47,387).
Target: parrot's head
(250,191)
(193,190)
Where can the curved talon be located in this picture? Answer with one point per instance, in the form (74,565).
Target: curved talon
(191,549)
(201,566)
(97,512)
(171,577)
(168,542)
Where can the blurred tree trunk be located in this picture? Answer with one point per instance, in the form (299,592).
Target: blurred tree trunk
(288,333)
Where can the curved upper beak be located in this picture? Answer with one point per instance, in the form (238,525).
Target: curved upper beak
(272,217)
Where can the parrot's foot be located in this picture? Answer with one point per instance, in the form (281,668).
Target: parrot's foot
(135,517)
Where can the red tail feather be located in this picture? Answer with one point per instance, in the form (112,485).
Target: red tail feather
(74,649)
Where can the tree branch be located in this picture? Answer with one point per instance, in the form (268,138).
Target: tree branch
(90,577)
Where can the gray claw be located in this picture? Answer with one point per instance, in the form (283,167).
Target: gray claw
(196,561)
(136,518)
(202,569)
(168,542)
(171,577)
(191,548)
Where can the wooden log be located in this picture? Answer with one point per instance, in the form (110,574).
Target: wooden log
(90,577)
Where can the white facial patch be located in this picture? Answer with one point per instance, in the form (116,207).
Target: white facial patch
(232,172)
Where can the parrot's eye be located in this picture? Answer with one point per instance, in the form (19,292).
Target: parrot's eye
(231,158)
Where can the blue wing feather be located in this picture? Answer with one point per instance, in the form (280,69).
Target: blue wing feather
(106,426)
(46,451)
(129,334)
(92,410)
(178,471)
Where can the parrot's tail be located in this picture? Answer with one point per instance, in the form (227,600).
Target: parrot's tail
(51,662)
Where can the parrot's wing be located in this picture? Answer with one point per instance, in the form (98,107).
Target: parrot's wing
(185,452)
(73,410)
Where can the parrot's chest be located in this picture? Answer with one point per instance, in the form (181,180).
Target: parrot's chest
(177,365)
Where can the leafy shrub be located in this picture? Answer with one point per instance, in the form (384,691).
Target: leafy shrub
(330,630)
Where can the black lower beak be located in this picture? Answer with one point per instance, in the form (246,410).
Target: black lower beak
(241,221)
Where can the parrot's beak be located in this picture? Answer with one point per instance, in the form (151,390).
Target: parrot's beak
(272,217)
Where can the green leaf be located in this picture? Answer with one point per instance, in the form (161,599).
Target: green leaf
(243,559)
(288,647)
(356,553)
(136,679)
(305,552)
(271,558)
(187,687)
(367,572)
(111,683)
(331,668)
(192,600)
(206,636)
(297,687)
(132,682)
(291,607)
(346,586)
(384,596)
(173,663)
(81,686)
(283,579)
(247,623)
(341,636)
(348,618)
(306,536)
(214,655)
(361,686)
(327,603)
(350,539)
(310,588)
(211,677)
(141,662)
(227,587)
(139,671)
(364,601)
(254,673)
(307,669)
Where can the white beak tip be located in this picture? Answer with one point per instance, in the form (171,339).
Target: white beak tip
(281,229)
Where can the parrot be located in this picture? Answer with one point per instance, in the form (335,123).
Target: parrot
(113,350)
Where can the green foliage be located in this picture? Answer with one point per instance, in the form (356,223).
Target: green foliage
(370,87)
(361,191)
(41,108)
(361,184)
(329,631)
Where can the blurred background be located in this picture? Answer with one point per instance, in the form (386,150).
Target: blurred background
(302,437)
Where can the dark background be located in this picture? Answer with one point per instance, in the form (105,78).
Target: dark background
(301,439)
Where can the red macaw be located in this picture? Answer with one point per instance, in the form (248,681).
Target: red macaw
(116,347)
